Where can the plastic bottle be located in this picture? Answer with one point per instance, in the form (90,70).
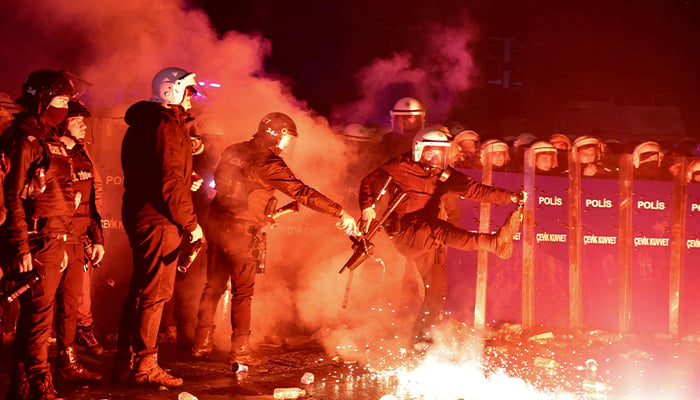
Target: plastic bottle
(186,396)
(288,393)
(307,378)
(239,368)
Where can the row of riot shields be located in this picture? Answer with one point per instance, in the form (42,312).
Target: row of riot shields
(613,254)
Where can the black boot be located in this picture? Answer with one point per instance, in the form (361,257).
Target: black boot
(203,344)
(68,367)
(147,371)
(19,386)
(86,337)
(241,352)
(41,387)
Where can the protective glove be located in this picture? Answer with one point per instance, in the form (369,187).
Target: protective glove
(519,197)
(368,215)
(347,224)
(196,234)
(196,182)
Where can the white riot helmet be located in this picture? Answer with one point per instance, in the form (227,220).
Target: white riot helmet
(560,141)
(407,116)
(359,133)
(544,147)
(694,171)
(493,146)
(430,148)
(524,140)
(647,151)
(169,85)
(583,142)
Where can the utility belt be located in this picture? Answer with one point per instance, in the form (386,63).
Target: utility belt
(41,228)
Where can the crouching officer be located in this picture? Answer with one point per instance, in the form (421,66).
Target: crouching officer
(414,227)
(246,179)
(39,201)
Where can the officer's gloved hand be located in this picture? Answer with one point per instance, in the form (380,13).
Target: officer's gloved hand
(196,182)
(519,197)
(196,234)
(368,215)
(347,224)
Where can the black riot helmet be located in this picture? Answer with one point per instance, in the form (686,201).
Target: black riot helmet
(77,108)
(41,87)
(276,130)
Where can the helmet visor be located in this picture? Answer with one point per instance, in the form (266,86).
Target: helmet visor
(287,144)
(434,156)
(407,124)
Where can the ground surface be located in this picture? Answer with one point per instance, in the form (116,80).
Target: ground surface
(505,364)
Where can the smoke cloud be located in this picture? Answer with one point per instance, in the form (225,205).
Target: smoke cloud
(438,73)
(118,45)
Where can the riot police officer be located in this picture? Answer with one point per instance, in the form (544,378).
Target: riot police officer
(407,118)
(156,210)
(246,179)
(39,201)
(424,176)
(85,232)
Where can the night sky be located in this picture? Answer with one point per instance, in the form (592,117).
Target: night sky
(636,52)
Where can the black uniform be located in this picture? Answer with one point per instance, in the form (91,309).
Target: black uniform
(157,208)
(85,229)
(246,179)
(37,222)
(394,144)
(417,230)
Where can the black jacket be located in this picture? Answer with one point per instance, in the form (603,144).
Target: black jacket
(424,190)
(86,222)
(157,163)
(30,148)
(246,179)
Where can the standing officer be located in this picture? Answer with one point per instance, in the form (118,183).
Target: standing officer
(407,118)
(39,201)
(156,210)
(85,229)
(246,179)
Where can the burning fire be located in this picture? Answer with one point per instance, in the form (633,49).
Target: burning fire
(437,378)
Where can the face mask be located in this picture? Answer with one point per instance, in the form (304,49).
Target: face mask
(54,116)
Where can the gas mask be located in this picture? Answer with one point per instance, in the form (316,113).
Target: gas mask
(54,116)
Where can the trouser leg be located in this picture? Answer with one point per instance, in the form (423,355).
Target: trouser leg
(155,262)
(242,290)
(36,311)
(433,270)
(218,274)
(67,296)
(188,294)
(85,318)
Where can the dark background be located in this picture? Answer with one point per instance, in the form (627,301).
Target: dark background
(629,52)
